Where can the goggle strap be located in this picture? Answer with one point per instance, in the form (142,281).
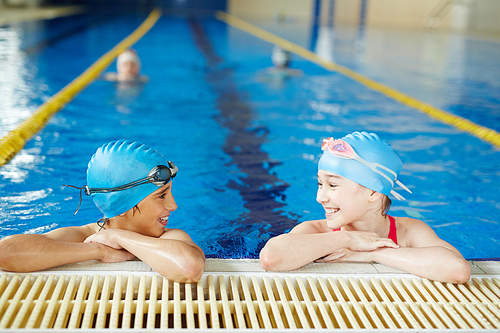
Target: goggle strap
(397,195)
(117,188)
(373,167)
(403,186)
(81,189)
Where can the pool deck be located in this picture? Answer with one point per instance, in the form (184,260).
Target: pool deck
(10,15)
(396,301)
(478,268)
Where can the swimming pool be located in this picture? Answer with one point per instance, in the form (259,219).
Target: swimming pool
(246,144)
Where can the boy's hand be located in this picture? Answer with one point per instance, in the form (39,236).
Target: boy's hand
(108,237)
(368,241)
(114,255)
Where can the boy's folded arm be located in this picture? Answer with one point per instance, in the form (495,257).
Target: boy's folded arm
(173,255)
(30,252)
(176,256)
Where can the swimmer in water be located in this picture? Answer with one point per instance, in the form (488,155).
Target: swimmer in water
(131,184)
(281,70)
(129,82)
(128,66)
(355,176)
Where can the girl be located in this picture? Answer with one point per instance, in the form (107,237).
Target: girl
(355,176)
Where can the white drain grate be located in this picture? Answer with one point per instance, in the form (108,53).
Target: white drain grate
(256,302)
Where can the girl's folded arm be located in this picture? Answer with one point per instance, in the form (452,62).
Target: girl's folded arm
(426,255)
(434,262)
(305,243)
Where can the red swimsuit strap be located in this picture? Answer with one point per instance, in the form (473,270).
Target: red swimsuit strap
(393,233)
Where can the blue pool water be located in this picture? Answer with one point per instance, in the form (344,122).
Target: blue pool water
(247,144)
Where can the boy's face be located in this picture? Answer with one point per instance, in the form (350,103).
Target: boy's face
(344,201)
(152,216)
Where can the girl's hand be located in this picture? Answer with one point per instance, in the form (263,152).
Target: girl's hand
(332,257)
(368,241)
(347,255)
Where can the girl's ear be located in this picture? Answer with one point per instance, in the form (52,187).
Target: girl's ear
(374,196)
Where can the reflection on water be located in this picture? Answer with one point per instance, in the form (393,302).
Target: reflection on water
(16,171)
(26,197)
(126,95)
(14,91)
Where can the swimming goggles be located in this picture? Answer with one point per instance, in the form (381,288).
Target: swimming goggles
(160,175)
(342,149)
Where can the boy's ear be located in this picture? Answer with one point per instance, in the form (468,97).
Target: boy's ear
(374,196)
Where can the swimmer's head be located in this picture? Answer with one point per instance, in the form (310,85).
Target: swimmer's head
(128,63)
(118,163)
(281,58)
(365,159)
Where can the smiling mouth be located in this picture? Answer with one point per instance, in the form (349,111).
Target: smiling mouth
(331,211)
(163,220)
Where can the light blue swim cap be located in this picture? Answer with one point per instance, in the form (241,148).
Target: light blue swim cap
(373,151)
(118,163)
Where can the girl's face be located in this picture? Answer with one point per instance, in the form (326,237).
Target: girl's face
(344,201)
(152,216)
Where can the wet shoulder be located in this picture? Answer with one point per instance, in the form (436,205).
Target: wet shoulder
(310,227)
(177,234)
(408,228)
(90,228)
(73,234)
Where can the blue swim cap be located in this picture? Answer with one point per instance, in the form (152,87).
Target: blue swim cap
(118,163)
(374,165)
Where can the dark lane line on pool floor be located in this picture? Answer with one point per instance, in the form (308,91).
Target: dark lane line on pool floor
(260,189)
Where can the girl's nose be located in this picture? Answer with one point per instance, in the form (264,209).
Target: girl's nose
(321,196)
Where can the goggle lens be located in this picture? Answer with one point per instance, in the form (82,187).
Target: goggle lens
(161,175)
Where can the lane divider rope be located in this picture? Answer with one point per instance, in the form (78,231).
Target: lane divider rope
(15,140)
(461,123)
